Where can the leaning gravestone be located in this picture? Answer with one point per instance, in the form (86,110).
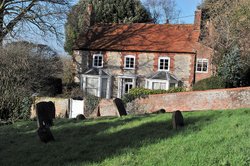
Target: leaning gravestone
(45,112)
(120,107)
(45,134)
(177,119)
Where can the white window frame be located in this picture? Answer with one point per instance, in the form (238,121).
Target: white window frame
(163,58)
(99,90)
(125,60)
(93,64)
(150,82)
(202,61)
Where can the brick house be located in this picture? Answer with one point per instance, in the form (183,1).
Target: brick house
(113,58)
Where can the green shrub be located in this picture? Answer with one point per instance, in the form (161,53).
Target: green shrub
(136,93)
(214,82)
(176,90)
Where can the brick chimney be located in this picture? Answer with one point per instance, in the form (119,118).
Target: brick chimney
(197,20)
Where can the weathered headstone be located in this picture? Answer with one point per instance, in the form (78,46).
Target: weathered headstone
(98,114)
(45,112)
(45,134)
(120,107)
(80,117)
(177,119)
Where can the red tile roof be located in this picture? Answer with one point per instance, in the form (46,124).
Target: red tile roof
(140,37)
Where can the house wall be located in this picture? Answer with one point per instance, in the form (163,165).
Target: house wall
(204,52)
(81,63)
(182,65)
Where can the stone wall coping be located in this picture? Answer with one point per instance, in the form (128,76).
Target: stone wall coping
(205,91)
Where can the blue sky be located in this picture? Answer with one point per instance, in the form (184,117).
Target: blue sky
(187,8)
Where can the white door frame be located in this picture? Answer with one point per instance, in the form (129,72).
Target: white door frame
(121,84)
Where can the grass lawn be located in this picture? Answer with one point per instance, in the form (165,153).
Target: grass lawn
(209,138)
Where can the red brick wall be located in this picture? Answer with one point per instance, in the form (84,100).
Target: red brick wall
(199,100)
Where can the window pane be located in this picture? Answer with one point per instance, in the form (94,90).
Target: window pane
(199,66)
(128,80)
(126,88)
(127,60)
(166,66)
(204,66)
(127,65)
(163,86)
(172,85)
(156,85)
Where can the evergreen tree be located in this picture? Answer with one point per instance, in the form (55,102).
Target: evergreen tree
(231,68)
(105,11)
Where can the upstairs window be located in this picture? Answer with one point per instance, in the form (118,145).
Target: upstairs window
(98,60)
(163,64)
(129,62)
(202,66)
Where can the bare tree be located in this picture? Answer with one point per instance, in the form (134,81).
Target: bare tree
(37,16)
(224,24)
(162,11)
(225,28)
(25,69)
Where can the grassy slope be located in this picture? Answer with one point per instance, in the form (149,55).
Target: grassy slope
(209,138)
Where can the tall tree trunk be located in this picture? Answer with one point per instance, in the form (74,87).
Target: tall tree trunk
(1,22)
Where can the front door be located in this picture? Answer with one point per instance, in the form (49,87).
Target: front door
(127,84)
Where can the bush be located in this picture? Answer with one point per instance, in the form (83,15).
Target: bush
(136,93)
(214,82)
(25,69)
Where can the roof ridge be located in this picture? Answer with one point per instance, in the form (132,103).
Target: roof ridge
(103,24)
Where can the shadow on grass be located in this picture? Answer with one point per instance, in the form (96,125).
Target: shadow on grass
(92,143)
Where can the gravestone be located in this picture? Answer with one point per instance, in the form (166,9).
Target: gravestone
(45,112)
(177,119)
(80,117)
(45,134)
(120,107)
(98,114)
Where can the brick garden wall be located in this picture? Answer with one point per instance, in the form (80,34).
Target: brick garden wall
(199,100)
